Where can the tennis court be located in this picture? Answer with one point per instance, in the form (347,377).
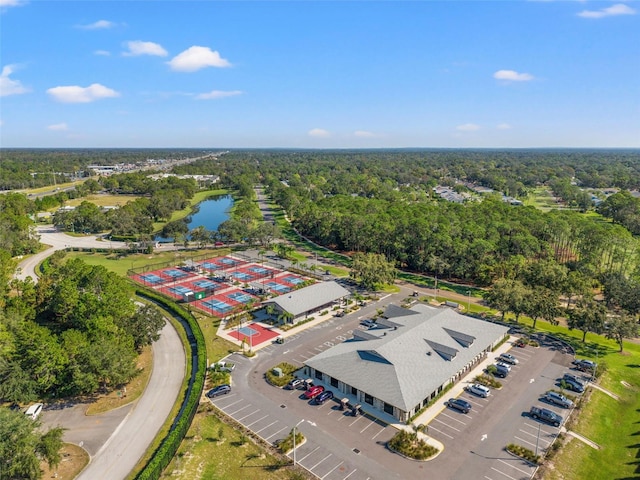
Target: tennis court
(173,273)
(151,278)
(239,297)
(205,284)
(216,305)
(180,290)
(278,287)
(254,334)
(293,280)
(210,265)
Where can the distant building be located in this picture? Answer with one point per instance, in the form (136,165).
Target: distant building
(309,300)
(400,365)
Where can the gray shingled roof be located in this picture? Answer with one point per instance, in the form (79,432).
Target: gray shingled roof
(400,365)
(310,298)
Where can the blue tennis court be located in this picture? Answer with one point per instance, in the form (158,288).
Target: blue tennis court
(240,297)
(258,269)
(210,266)
(204,283)
(217,305)
(175,273)
(278,287)
(241,275)
(247,331)
(293,280)
(151,278)
(180,290)
(228,261)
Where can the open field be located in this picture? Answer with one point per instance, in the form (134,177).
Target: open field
(74,459)
(102,200)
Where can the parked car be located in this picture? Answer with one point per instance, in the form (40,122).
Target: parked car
(313,391)
(34,410)
(558,399)
(223,367)
(219,390)
(501,371)
(521,343)
(546,416)
(279,339)
(504,365)
(585,365)
(459,404)
(323,397)
(479,390)
(368,323)
(573,382)
(508,358)
(294,384)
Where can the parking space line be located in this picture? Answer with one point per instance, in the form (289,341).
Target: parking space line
(440,431)
(381,430)
(488,478)
(355,421)
(372,423)
(453,418)
(240,419)
(330,471)
(230,405)
(502,473)
(354,471)
(263,428)
(534,436)
(525,441)
(447,425)
(239,410)
(253,423)
(476,401)
(536,427)
(274,434)
(514,467)
(330,455)
(312,451)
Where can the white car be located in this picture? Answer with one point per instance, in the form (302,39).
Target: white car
(508,358)
(34,410)
(479,390)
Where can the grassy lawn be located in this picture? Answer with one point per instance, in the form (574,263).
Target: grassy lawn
(213,450)
(101,200)
(74,459)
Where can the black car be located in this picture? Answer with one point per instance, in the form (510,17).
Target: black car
(573,383)
(459,404)
(219,390)
(323,397)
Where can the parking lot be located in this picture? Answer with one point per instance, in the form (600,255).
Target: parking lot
(340,446)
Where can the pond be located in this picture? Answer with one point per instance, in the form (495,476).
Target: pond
(209,214)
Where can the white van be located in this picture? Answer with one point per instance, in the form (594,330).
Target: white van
(34,411)
(479,390)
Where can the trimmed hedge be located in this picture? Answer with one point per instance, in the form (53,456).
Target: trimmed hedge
(170,444)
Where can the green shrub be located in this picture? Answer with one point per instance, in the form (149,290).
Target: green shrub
(487,381)
(409,445)
(523,452)
(287,374)
(286,444)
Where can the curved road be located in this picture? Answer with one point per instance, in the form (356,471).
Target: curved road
(116,440)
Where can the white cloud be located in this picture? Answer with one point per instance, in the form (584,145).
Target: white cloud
(468,127)
(138,47)
(58,127)
(613,10)
(9,86)
(363,134)
(319,133)
(76,94)
(103,53)
(512,76)
(216,94)
(503,126)
(12,3)
(195,58)
(99,25)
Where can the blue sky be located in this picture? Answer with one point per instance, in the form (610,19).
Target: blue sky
(319,74)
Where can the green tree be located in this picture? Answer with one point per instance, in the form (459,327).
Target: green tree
(144,325)
(371,269)
(620,327)
(588,316)
(543,303)
(22,445)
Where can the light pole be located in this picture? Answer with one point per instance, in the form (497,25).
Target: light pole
(468,301)
(294,441)
(537,439)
